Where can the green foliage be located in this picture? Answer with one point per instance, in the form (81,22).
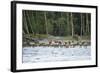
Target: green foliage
(76,37)
(38,36)
(40,24)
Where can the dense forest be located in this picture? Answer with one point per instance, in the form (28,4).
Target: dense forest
(56,23)
(43,24)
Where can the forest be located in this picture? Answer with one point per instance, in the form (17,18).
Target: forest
(39,25)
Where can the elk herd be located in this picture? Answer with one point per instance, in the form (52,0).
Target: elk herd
(60,43)
(68,44)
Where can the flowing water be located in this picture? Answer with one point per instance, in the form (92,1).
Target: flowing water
(51,54)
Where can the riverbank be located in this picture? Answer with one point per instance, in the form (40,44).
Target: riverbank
(55,41)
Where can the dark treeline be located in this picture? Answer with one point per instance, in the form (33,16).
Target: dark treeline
(56,23)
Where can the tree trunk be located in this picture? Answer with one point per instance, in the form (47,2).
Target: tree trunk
(87,23)
(68,28)
(23,31)
(72,25)
(25,22)
(46,23)
(29,22)
(81,24)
